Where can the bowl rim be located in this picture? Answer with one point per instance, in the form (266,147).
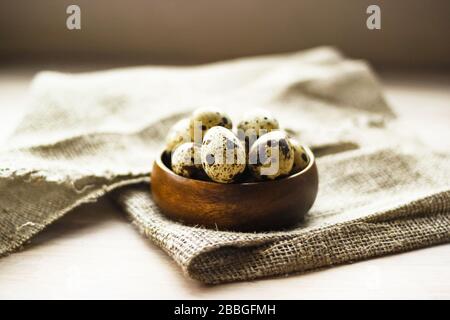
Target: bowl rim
(311,162)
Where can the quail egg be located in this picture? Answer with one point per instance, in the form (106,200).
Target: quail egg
(223,155)
(186,161)
(257,122)
(178,134)
(300,157)
(204,119)
(271,156)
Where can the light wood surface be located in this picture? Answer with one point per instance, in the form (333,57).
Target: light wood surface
(94,252)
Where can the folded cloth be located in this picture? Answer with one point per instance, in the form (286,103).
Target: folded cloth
(88,134)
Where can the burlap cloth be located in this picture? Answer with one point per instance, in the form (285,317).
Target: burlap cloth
(88,134)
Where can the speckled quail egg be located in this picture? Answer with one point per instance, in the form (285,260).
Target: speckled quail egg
(223,155)
(254,124)
(178,134)
(186,160)
(300,157)
(257,122)
(204,119)
(271,156)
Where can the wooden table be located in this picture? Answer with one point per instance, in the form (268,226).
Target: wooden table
(94,252)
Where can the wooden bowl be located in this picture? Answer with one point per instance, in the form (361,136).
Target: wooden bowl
(253,206)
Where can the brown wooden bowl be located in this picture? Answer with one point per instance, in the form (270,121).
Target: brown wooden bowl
(252,206)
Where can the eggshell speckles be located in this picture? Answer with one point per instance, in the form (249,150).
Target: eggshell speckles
(223,155)
(186,161)
(300,157)
(204,119)
(258,121)
(271,156)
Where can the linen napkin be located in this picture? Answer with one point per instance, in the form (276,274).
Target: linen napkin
(88,134)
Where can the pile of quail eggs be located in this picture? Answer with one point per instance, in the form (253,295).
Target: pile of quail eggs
(205,147)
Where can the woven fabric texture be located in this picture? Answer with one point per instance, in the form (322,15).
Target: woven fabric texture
(88,134)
